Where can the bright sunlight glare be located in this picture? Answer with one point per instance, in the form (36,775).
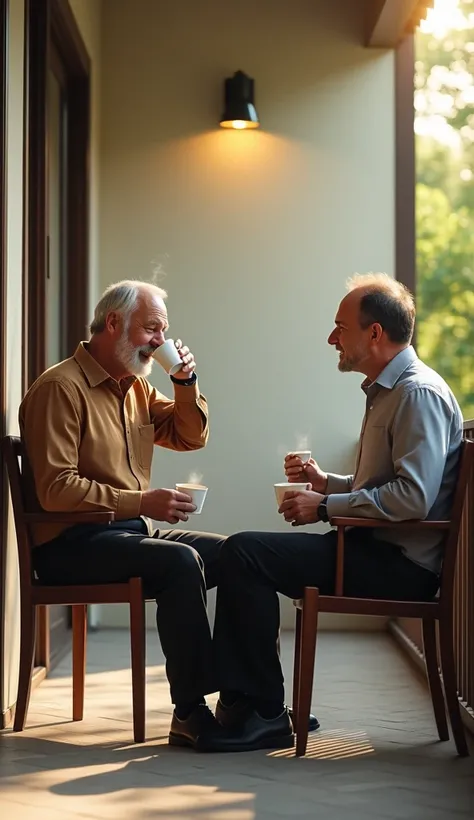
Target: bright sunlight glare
(442,18)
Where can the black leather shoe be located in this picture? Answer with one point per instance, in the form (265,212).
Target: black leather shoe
(254,733)
(313,722)
(231,717)
(200,724)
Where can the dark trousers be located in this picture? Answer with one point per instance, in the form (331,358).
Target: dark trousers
(176,568)
(254,566)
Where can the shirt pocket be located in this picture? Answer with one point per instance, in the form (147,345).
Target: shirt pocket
(146,444)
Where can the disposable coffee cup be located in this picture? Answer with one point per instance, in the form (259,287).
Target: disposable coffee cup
(198,494)
(304,455)
(168,356)
(289,487)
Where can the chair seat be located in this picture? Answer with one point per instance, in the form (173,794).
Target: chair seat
(81,594)
(343,605)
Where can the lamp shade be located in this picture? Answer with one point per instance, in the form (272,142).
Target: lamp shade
(239,109)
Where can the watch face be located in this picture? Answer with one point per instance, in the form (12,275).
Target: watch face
(323,511)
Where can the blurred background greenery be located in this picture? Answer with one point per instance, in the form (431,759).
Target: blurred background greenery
(444,125)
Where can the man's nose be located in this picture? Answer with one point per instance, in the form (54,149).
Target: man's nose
(158,339)
(332,338)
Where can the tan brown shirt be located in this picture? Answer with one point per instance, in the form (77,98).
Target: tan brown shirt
(90,440)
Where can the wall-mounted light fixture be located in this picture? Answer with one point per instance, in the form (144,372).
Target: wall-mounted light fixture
(239,109)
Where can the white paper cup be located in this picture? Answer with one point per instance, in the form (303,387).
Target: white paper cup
(168,356)
(197,492)
(304,455)
(288,487)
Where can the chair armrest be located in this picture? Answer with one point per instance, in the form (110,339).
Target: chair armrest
(341,523)
(337,521)
(69,518)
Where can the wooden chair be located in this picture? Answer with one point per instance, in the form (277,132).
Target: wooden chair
(34,594)
(439,610)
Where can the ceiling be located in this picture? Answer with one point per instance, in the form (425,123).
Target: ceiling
(389,21)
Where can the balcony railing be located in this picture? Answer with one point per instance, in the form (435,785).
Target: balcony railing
(464,598)
(409,632)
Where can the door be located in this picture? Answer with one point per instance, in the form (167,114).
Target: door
(56,219)
(56,270)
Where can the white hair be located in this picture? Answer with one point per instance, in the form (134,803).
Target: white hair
(121,297)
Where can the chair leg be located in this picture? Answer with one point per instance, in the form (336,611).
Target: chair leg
(138,650)
(309,631)
(79,640)
(27,657)
(434,680)
(450,685)
(296,667)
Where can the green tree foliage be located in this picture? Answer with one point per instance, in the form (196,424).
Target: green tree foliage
(445,204)
(445,292)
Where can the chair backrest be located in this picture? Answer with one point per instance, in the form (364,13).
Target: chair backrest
(465,474)
(24,500)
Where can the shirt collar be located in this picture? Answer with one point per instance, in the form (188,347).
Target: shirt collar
(392,372)
(93,371)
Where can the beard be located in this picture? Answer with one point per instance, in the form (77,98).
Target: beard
(129,356)
(350,363)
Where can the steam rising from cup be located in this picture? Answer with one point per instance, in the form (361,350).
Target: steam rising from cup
(195,478)
(301,448)
(302,442)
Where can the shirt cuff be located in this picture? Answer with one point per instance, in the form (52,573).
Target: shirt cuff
(337,483)
(128,504)
(339,504)
(188,394)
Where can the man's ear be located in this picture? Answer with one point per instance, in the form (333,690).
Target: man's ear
(376,332)
(113,321)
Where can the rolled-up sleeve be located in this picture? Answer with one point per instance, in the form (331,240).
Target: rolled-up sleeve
(420,442)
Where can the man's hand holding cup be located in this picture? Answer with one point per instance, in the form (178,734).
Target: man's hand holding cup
(176,359)
(297,470)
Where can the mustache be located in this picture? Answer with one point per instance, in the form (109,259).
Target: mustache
(148,350)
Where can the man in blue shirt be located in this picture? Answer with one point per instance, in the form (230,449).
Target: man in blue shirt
(406,469)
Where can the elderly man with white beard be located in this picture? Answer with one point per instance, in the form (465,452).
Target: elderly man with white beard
(89,425)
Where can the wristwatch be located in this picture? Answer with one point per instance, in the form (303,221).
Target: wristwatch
(185,382)
(323,510)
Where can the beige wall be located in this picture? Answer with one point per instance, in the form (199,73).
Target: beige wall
(88,16)
(256,231)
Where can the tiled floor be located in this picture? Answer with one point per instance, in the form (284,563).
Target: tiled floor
(377,755)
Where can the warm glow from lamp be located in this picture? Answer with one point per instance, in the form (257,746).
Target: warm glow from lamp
(239,125)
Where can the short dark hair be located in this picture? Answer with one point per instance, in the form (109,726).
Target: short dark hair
(386,302)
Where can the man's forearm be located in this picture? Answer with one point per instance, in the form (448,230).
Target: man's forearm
(181,424)
(394,501)
(71,493)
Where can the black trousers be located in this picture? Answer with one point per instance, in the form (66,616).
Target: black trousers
(176,568)
(254,566)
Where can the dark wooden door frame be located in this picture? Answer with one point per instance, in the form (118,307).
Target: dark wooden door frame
(4,718)
(405,225)
(52,21)
(48,24)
